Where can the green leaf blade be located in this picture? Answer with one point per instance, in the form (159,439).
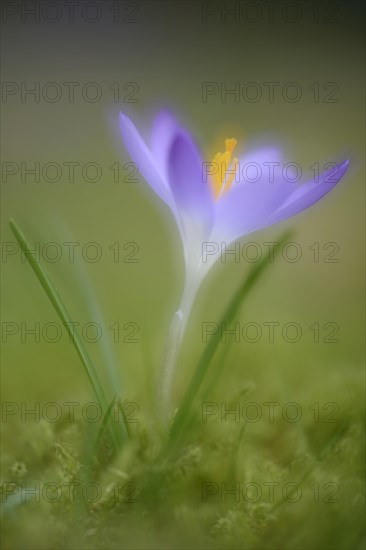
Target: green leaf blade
(66,320)
(183,415)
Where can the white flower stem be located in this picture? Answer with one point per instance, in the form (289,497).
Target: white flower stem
(173,344)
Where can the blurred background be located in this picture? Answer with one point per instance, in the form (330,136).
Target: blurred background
(138,57)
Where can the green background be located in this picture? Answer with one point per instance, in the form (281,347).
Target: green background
(169,52)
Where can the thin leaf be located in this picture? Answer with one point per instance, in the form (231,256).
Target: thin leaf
(93,308)
(125,420)
(66,320)
(104,424)
(183,415)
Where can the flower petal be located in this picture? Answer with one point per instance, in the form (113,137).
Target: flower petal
(261,164)
(247,207)
(309,193)
(141,155)
(165,127)
(192,195)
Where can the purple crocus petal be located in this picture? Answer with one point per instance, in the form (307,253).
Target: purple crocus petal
(247,207)
(141,155)
(192,195)
(309,193)
(165,127)
(261,164)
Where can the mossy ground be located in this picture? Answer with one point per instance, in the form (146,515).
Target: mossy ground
(230,484)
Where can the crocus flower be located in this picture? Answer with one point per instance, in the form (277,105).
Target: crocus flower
(215,202)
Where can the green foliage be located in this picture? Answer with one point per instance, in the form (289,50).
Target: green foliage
(151,497)
(67,322)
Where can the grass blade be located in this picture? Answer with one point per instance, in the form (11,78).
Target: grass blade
(68,324)
(104,424)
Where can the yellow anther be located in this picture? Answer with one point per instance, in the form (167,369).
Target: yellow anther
(230,177)
(230,144)
(221,181)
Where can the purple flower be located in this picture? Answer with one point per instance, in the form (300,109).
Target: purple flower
(222,200)
(214,202)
